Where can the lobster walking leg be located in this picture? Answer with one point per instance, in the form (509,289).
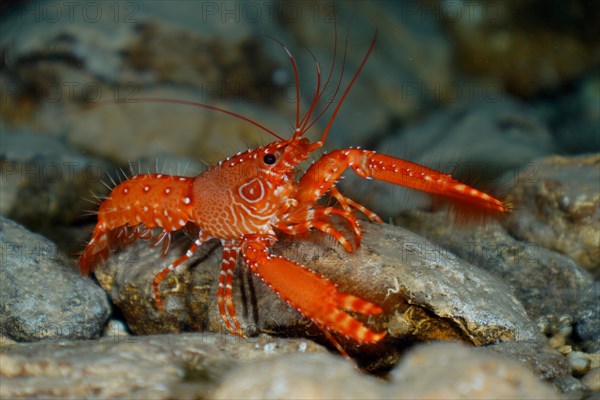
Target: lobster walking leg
(162,274)
(225,291)
(311,294)
(347,203)
(317,219)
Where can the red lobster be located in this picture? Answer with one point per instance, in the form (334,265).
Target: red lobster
(245,200)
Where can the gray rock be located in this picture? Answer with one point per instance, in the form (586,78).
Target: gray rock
(157,367)
(546,363)
(445,370)
(45,181)
(426,295)
(109,64)
(440,370)
(592,380)
(558,204)
(301,376)
(574,117)
(528,58)
(553,288)
(587,325)
(215,366)
(41,297)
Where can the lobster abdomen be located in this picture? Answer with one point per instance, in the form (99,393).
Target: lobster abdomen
(144,201)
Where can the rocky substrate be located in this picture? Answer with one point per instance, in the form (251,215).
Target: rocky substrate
(206,365)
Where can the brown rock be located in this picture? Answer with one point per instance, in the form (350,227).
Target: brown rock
(426,293)
(157,367)
(450,371)
(532,46)
(557,200)
(553,288)
(42,297)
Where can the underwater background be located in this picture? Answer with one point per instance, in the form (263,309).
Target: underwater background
(503,95)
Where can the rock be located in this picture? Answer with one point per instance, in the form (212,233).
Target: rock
(427,295)
(228,70)
(441,370)
(574,118)
(558,204)
(587,326)
(531,56)
(452,137)
(592,380)
(41,296)
(579,362)
(157,367)
(452,371)
(547,364)
(5,341)
(83,73)
(130,131)
(215,366)
(301,376)
(554,290)
(45,181)
(116,328)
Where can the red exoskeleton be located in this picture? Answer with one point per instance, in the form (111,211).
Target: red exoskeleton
(247,200)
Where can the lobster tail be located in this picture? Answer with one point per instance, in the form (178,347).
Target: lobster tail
(95,253)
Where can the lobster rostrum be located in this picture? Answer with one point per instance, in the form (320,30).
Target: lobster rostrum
(249,199)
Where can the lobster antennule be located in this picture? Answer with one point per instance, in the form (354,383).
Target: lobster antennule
(306,122)
(348,88)
(296,78)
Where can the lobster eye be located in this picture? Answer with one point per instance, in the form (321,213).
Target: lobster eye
(269,159)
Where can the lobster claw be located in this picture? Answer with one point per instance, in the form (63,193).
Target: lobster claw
(311,294)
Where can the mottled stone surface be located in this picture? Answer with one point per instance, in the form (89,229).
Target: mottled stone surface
(441,371)
(552,287)
(459,372)
(592,380)
(587,326)
(531,46)
(557,200)
(44,180)
(546,363)
(215,366)
(302,376)
(157,367)
(425,294)
(41,296)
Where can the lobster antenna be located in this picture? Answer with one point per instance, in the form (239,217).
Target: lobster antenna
(301,127)
(339,84)
(305,125)
(296,77)
(208,107)
(90,106)
(352,81)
